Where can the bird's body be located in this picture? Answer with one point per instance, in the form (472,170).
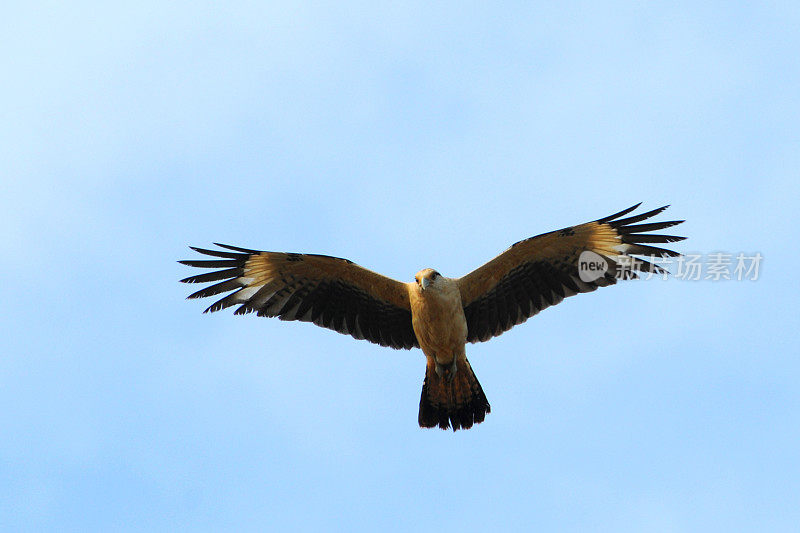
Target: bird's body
(437,317)
(437,314)
(450,386)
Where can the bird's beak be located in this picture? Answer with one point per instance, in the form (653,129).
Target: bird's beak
(424,283)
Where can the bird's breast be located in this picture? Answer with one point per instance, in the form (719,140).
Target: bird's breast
(439,324)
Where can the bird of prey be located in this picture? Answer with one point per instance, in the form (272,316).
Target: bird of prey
(436,313)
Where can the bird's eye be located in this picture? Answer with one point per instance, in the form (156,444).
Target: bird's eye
(433,276)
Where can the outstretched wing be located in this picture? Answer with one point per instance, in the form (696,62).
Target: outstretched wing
(541,271)
(331,292)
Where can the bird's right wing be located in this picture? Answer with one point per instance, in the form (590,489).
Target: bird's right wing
(329,291)
(541,271)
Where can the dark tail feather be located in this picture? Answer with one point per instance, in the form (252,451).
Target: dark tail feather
(459,403)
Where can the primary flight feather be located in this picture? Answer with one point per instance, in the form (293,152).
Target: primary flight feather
(434,313)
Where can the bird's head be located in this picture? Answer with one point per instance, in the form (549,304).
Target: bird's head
(428,278)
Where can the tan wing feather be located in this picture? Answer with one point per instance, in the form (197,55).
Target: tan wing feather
(329,291)
(541,271)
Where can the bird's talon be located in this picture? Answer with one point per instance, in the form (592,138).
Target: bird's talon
(452,370)
(446,372)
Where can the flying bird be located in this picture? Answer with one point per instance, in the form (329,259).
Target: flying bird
(435,313)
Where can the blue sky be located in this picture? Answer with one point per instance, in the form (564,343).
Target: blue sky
(401,137)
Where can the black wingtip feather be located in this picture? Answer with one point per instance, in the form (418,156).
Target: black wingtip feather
(652,226)
(640,238)
(237,248)
(216,253)
(215,276)
(637,218)
(218,288)
(617,215)
(220,263)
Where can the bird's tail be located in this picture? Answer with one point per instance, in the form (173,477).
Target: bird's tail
(459,402)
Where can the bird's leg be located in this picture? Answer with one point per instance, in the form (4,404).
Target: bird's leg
(448,372)
(453,368)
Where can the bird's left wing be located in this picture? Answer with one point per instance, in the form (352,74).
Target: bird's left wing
(541,271)
(329,291)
